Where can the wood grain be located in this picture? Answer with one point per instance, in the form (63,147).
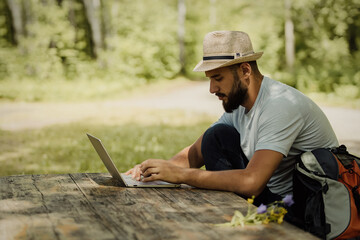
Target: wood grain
(93,206)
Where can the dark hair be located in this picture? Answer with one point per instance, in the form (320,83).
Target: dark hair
(253,65)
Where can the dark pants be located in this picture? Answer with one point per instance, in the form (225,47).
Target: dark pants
(221,150)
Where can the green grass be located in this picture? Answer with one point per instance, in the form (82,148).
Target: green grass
(130,138)
(66,149)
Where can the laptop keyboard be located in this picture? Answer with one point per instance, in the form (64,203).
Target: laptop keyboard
(130,180)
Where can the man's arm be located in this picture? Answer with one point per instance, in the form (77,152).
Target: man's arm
(189,157)
(249,181)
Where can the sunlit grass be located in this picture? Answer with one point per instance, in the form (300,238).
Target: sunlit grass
(66,149)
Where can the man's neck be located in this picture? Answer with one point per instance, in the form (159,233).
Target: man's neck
(253,91)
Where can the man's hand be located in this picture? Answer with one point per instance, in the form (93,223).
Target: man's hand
(189,157)
(135,172)
(158,169)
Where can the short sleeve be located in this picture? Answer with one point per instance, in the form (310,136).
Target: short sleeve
(226,118)
(279,125)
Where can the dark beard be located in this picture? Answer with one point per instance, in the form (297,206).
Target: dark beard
(237,96)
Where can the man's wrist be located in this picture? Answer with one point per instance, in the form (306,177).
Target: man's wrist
(188,175)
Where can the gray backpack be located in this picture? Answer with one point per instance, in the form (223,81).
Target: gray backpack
(326,193)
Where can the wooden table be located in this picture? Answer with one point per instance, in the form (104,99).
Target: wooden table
(93,206)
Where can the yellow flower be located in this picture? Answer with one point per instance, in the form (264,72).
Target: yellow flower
(251,200)
(281,219)
(272,212)
(264,214)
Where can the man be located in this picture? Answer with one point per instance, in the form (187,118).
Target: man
(251,149)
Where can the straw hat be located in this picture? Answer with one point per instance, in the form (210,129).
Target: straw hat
(226,48)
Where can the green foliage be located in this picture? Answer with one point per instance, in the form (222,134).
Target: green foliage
(143,42)
(6,30)
(41,55)
(139,41)
(137,46)
(327,45)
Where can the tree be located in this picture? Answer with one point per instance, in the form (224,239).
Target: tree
(289,37)
(93,16)
(181,33)
(327,44)
(18,18)
(212,13)
(8,32)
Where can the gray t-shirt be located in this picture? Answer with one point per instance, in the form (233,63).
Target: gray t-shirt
(283,120)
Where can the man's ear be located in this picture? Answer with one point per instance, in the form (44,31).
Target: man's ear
(245,69)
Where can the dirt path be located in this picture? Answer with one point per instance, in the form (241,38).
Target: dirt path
(190,96)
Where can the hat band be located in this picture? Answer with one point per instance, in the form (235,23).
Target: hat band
(218,57)
(236,55)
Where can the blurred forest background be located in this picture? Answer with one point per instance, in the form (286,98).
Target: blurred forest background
(61,58)
(313,45)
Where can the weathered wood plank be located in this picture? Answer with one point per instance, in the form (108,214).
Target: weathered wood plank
(21,210)
(71,214)
(93,206)
(48,206)
(125,208)
(182,213)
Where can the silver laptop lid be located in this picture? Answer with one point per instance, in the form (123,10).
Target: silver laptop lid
(125,179)
(109,164)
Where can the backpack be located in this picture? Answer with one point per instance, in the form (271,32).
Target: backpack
(326,192)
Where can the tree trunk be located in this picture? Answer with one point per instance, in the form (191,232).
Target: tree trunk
(181,33)
(10,35)
(212,13)
(59,2)
(15,7)
(105,21)
(92,9)
(289,37)
(352,36)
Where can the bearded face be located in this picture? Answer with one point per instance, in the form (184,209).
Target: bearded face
(237,96)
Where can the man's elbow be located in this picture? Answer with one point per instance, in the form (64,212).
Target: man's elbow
(195,157)
(250,187)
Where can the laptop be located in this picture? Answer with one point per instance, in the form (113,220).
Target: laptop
(126,179)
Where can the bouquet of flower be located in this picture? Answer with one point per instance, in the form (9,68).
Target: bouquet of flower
(263,214)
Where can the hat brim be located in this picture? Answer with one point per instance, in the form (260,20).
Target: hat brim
(208,65)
